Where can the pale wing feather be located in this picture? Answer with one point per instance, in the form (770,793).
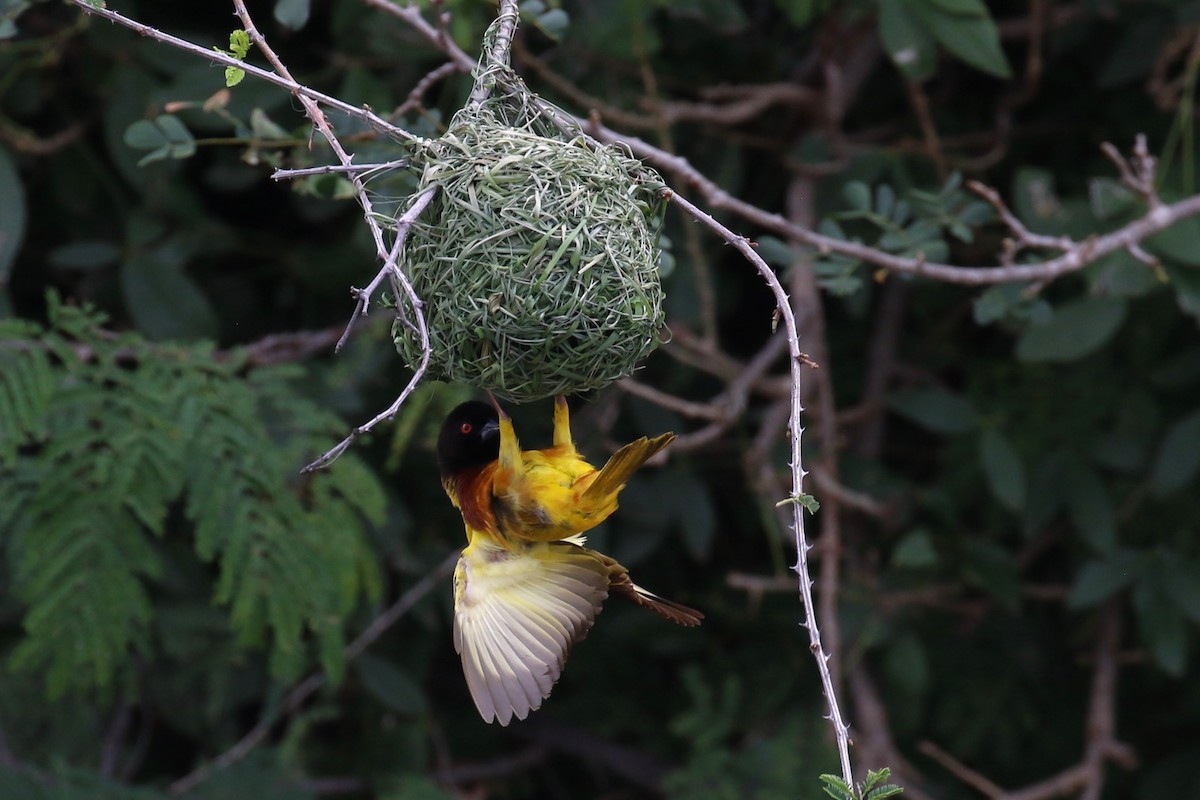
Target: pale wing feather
(516,616)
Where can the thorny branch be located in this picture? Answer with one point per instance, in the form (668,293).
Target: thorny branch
(796,431)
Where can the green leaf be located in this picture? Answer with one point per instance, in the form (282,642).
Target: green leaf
(908,44)
(390,685)
(1109,198)
(1178,242)
(164,302)
(935,409)
(1003,468)
(970,35)
(554,23)
(802,12)
(234,76)
(1098,580)
(1181,582)
(993,569)
(84,255)
(1090,505)
(1178,456)
(967,8)
(1185,280)
(292,14)
(876,786)
(857,195)
(696,516)
(165,136)
(1161,626)
(837,788)
(915,550)
(12,214)
(1009,301)
(775,251)
(263,127)
(1078,328)
(239,44)
(907,666)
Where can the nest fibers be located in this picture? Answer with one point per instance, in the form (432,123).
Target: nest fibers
(538,260)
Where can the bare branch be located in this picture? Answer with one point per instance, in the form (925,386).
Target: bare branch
(416,97)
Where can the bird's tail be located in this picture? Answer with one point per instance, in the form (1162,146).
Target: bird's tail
(623,464)
(667,609)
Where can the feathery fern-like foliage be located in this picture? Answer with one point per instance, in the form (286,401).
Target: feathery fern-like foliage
(114,450)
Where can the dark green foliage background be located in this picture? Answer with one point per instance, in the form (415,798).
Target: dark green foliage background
(166,576)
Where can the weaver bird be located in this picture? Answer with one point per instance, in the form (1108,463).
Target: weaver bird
(525,588)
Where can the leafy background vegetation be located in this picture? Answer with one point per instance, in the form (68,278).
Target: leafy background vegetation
(1008,474)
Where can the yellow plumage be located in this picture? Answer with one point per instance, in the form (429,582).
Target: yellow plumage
(525,588)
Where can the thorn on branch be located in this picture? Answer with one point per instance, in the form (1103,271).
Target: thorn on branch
(807,361)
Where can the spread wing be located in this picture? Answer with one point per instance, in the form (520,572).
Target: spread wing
(516,615)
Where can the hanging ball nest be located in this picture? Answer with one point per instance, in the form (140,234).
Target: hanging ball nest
(538,259)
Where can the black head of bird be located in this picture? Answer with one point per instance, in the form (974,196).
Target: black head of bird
(470,437)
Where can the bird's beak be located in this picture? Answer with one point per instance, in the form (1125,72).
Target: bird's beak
(490,428)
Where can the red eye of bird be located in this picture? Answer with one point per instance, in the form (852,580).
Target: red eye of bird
(466,427)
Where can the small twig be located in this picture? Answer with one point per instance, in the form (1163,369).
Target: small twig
(1141,255)
(303,690)
(933,143)
(327,169)
(876,739)
(760,584)
(141,745)
(1138,172)
(503,766)
(961,771)
(859,501)
(363,296)
(113,739)
(688,408)
(416,97)
(1023,237)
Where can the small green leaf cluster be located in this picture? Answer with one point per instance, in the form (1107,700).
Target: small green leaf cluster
(119,458)
(875,787)
(239,48)
(913,223)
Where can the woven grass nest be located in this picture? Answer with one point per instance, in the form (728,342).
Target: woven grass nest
(538,259)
